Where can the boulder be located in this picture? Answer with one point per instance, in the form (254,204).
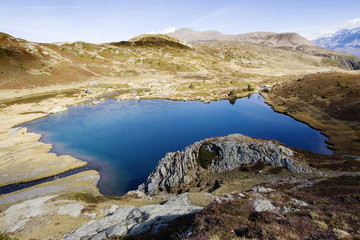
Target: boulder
(17,216)
(71,209)
(262,205)
(132,220)
(111,210)
(57,109)
(262,190)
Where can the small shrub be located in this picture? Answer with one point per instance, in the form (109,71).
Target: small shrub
(191,86)
(89,198)
(205,157)
(276,170)
(249,88)
(245,168)
(4,236)
(259,166)
(232,93)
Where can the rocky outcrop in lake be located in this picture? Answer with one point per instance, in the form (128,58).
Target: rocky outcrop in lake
(218,155)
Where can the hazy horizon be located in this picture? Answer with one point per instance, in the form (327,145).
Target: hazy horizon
(110,20)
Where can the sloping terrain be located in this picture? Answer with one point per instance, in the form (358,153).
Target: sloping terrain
(29,65)
(326,101)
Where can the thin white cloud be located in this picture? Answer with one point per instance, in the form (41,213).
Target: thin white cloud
(51,7)
(168,29)
(314,32)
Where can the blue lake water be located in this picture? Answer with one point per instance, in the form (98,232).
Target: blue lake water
(124,140)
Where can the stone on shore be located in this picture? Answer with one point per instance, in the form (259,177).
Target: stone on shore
(132,220)
(57,110)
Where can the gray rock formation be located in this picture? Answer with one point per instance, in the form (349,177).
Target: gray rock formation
(262,205)
(132,220)
(218,154)
(17,216)
(71,209)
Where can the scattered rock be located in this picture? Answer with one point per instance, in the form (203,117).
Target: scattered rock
(132,220)
(71,209)
(262,190)
(17,216)
(137,98)
(91,215)
(241,195)
(341,233)
(88,90)
(57,109)
(299,202)
(111,210)
(303,77)
(181,200)
(285,209)
(136,194)
(95,102)
(261,205)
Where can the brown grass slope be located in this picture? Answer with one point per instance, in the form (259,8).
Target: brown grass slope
(29,65)
(327,101)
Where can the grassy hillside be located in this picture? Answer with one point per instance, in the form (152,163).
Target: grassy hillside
(327,101)
(28,65)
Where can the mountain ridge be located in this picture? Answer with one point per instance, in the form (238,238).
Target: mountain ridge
(291,40)
(344,40)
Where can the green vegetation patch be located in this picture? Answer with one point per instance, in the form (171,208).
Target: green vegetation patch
(89,198)
(276,170)
(4,236)
(205,157)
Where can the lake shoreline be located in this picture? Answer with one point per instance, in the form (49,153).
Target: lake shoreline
(135,129)
(29,111)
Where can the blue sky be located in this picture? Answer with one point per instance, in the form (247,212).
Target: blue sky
(116,20)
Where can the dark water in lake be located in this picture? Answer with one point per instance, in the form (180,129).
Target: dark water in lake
(124,140)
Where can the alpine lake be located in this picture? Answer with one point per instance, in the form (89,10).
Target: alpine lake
(124,140)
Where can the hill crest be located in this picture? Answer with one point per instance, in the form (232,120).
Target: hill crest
(291,40)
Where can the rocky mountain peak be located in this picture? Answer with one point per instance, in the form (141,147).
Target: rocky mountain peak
(344,40)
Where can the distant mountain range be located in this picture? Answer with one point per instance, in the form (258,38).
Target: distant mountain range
(282,40)
(345,40)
